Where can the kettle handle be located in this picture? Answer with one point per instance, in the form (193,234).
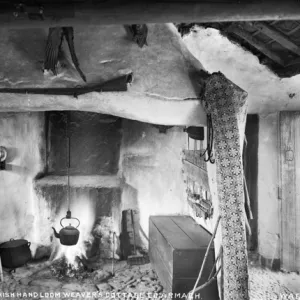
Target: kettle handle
(69,219)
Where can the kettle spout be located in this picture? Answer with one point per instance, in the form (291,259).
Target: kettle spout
(55,233)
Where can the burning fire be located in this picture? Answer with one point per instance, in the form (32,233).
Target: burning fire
(83,209)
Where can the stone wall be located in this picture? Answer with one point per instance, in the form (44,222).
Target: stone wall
(22,135)
(95,191)
(149,179)
(151,163)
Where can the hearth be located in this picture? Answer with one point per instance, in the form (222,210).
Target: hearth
(61,269)
(120,172)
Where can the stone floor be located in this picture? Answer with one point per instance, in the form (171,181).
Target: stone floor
(270,285)
(38,280)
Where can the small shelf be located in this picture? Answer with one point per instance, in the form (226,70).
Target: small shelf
(92,181)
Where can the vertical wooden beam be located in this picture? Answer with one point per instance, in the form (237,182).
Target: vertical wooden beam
(290,166)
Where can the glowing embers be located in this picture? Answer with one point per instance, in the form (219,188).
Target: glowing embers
(61,269)
(84,208)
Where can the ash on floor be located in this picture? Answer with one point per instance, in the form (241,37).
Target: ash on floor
(37,279)
(47,280)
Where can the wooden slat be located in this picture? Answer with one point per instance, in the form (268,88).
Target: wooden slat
(187,251)
(187,263)
(160,267)
(172,233)
(194,157)
(255,43)
(196,174)
(278,37)
(287,194)
(290,174)
(160,242)
(296,204)
(197,233)
(139,12)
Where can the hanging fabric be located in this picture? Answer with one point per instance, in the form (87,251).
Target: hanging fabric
(225,103)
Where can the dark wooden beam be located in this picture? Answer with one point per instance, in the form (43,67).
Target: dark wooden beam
(255,43)
(133,12)
(277,36)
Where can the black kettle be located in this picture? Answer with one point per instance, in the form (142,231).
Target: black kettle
(68,235)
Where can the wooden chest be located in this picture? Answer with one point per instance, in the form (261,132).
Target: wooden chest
(177,245)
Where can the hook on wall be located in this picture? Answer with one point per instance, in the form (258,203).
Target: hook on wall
(3,156)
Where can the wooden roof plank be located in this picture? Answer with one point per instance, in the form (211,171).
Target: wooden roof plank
(278,37)
(89,13)
(255,43)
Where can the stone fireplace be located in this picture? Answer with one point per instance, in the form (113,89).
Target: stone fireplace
(115,165)
(95,186)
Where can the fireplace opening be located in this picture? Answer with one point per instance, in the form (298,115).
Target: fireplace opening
(121,172)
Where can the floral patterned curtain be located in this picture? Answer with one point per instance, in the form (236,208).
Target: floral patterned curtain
(225,102)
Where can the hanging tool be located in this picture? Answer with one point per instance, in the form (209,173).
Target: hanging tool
(68,235)
(135,259)
(210,140)
(113,255)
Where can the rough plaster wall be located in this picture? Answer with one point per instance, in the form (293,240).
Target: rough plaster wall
(268,204)
(267,93)
(21,134)
(161,73)
(102,51)
(151,164)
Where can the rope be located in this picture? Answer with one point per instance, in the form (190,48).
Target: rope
(68,159)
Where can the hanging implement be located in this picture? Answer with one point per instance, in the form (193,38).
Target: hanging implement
(68,235)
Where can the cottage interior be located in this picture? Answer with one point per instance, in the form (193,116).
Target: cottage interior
(157,156)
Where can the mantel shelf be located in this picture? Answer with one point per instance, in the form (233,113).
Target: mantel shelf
(87,181)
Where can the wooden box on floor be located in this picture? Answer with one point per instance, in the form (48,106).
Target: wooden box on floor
(177,248)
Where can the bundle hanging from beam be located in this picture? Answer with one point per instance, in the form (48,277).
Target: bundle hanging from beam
(54,45)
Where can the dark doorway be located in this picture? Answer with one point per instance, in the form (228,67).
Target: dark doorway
(250,156)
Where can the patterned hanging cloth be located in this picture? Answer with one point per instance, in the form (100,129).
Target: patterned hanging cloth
(225,102)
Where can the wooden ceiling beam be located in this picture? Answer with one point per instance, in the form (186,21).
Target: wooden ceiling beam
(277,36)
(255,43)
(140,12)
(129,105)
